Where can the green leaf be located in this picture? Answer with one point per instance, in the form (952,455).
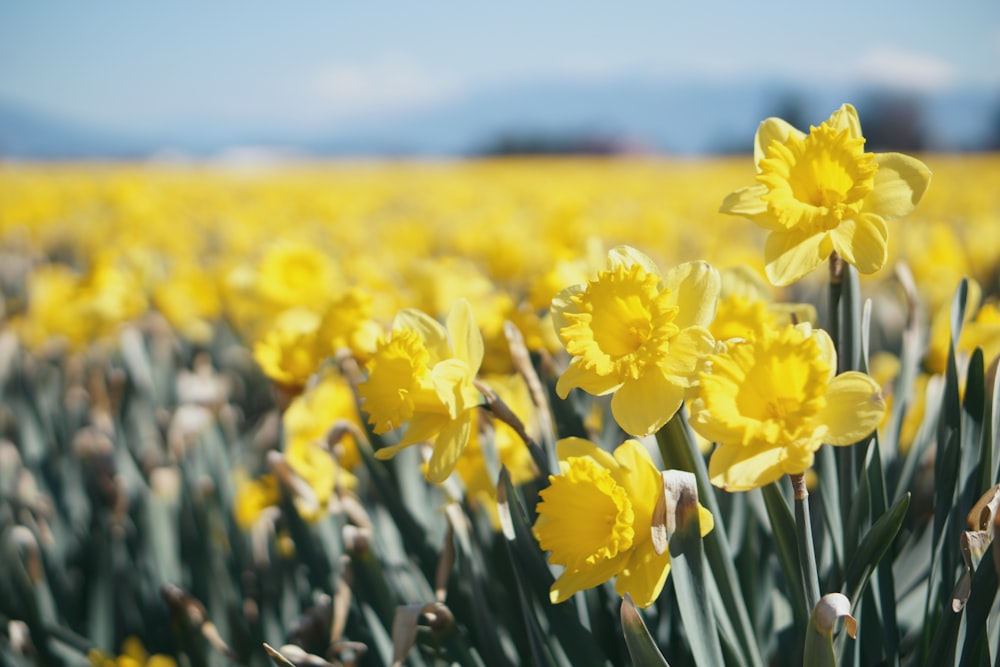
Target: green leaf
(687,569)
(819,643)
(786,541)
(873,547)
(640,644)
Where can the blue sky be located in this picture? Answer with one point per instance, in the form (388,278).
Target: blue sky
(312,63)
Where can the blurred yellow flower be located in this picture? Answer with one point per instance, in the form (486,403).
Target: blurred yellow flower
(296,273)
(596,518)
(745,306)
(638,335)
(421,376)
(772,400)
(292,349)
(820,193)
(189,299)
(311,415)
(133,655)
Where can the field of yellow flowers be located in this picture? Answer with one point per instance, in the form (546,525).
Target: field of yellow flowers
(736,411)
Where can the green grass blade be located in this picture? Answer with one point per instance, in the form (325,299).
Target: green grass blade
(640,644)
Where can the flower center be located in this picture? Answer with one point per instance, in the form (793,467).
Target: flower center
(785,383)
(585,517)
(397,381)
(622,322)
(818,180)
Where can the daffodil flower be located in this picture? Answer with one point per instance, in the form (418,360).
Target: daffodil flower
(821,193)
(638,335)
(421,376)
(772,400)
(596,518)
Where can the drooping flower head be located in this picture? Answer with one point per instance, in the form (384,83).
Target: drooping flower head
(421,376)
(820,193)
(637,334)
(596,519)
(772,400)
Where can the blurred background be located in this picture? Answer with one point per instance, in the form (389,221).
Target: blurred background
(254,79)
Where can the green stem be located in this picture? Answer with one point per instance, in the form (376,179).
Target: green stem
(807,552)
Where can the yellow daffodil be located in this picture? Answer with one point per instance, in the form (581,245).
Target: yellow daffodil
(311,415)
(637,334)
(133,655)
(772,400)
(292,349)
(596,518)
(820,193)
(421,376)
(296,273)
(745,306)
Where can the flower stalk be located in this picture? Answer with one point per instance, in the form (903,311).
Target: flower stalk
(803,530)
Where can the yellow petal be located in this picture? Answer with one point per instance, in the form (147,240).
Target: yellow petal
(705,520)
(846,117)
(741,468)
(570,583)
(771,129)
(573,446)
(694,289)
(434,335)
(642,482)
(423,426)
(448,447)
(466,340)
(577,376)
(862,242)
(854,408)
(746,201)
(687,348)
(643,406)
(627,256)
(828,351)
(562,302)
(791,255)
(644,574)
(900,182)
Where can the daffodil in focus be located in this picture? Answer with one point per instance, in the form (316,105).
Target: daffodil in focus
(820,193)
(422,376)
(596,518)
(638,335)
(771,401)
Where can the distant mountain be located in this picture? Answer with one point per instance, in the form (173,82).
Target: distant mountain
(673,118)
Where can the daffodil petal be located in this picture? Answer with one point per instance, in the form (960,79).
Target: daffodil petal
(466,340)
(570,583)
(562,302)
(422,427)
(846,117)
(771,129)
(746,201)
(448,446)
(577,376)
(641,480)
(705,520)
(854,408)
(828,351)
(694,289)
(643,406)
(741,468)
(863,242)
(792,254)
(900,183)
(687,348)
(627,256)
(434,335)
(386,453)
(644,574)
(573,446)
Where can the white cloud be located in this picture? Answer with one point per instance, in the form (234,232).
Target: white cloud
(383,86)
(898,69)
